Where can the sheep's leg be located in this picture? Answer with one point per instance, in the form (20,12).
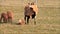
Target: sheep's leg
(5,20)
(35,21)
(1,19)
(28,19)
(10,19)
(25,19)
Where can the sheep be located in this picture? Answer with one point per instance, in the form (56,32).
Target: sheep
(10,16)
(29,12)
(4,17)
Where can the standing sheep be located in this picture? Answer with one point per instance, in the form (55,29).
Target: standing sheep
(29,12)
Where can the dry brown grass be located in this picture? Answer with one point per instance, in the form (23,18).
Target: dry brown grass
(48,21)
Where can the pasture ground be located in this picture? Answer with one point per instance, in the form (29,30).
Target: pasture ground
(48,21)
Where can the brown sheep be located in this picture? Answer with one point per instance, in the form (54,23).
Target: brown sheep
(4,17)
(29,12)
(10,16)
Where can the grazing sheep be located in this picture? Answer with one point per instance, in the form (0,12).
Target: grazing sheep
(10,16)
(4,17)
(29,12)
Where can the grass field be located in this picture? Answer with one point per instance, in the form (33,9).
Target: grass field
(48,21)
